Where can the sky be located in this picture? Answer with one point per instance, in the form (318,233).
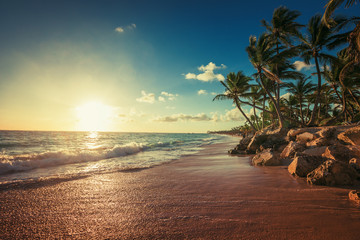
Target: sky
(128,66)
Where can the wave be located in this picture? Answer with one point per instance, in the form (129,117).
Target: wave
(26,162)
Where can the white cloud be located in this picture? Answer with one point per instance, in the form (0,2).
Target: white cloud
(286,96)
(213,93)
(132,26)
(184,117)
(119,29)
(170,96)
(208,73)
(202,92)
(299,65)
(161,99)
(146,97)
(233,115)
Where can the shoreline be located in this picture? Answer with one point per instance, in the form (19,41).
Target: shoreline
(206,195)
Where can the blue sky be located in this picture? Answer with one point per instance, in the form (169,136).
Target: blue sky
(60,56)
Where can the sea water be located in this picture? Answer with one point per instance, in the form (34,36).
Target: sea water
(36,155)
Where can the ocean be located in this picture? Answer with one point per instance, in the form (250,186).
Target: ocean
(34,155)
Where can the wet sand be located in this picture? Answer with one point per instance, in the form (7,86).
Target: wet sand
(206,196)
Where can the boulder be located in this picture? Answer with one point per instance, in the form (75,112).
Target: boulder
(266,158)
(291,149)
(341,152)
(302,165)
(327,132)
(354,196)
(350,136)
(256,142)
(332,173)
(305,137)
(355,163)
(316,151)
(318,142)
(293,132)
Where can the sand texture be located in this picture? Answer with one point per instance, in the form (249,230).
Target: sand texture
(206,196)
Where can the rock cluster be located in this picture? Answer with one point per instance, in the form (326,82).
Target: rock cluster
(323,155)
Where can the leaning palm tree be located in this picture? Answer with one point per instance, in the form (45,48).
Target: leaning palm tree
(317,37)
(353,37)
(281,29)
(261,54)
(254,96)
(300,90)
(235,86)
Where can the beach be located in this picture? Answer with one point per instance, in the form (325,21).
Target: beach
(206,195)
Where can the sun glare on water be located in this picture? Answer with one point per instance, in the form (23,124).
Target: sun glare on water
(94,116)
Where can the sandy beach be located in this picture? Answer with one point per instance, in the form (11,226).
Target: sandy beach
(209,195)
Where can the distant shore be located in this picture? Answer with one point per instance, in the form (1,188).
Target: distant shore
(209,195)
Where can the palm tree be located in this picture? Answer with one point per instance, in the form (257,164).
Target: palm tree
(281,29)
(235,86)
(330,8)
(261,54)
(300,90)
(317,37)
(254,96)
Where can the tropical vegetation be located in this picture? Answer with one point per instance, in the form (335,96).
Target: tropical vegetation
(277,94)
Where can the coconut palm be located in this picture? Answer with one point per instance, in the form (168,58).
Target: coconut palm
(235,86)
(254,96)
(281,29)
(316,38)
(331,6)
(261,54)
(300,90)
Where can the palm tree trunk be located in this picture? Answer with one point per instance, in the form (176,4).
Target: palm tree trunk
(263,113)
(246,117)
(281,121)
(256,119)
(317,100)
(355,99)
(301,112)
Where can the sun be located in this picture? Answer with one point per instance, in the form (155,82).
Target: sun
(94,116)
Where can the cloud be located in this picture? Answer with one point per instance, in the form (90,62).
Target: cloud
(202,92)
(170,96)
(208,73)
(299,65)
(121,29)
(146,97)
(151,97)
(184,117)
(213,93)
(233,115)
(286,96)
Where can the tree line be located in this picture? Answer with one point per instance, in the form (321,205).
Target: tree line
(332,43)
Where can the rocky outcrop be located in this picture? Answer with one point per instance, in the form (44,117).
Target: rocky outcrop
(327,132)
(302,165)
(332,173)
(305,137)
(354,196)
(264,141)
(355,163)
(291,149)
(266,158)
(316,151)
(341,153)
(318,142)
(350,136)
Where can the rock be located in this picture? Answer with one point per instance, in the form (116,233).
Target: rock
(341,152)
(317,151)
(355,163)
(354,196)
(350,136)
(293,132)
(302,165)
(291,149)
(305,137)
(318,142)
(256,142)
(266,158)
(332,173)
(327,132)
